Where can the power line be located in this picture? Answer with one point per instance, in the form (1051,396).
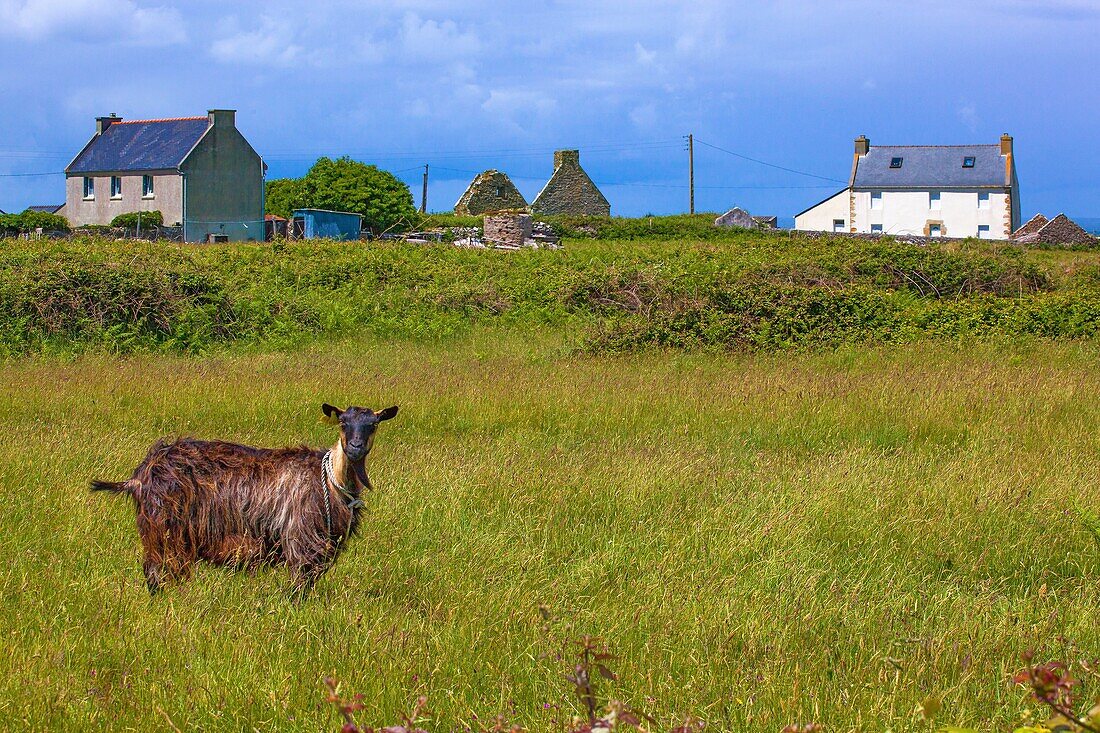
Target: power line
(22,175)
(770,165)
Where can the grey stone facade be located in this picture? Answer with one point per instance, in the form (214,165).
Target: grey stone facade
(510,230)
(570,190)
(489,192)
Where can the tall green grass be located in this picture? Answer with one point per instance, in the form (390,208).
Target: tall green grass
(763,539)
(734,291)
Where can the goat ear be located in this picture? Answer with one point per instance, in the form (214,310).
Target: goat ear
(332,413)
(388,413)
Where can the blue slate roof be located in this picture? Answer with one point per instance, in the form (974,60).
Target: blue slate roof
(140,145)
(931,166)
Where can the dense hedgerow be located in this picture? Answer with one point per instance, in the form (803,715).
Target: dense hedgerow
(751,291)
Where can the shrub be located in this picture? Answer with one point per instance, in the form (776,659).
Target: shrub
(29,221)
(134,219)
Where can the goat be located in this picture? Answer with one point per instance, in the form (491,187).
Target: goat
(239,506)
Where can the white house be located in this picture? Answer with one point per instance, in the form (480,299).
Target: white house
(930,190)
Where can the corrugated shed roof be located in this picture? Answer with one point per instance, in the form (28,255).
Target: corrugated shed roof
(140,145)
(931,166)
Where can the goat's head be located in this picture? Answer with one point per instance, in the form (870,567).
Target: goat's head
(357,427)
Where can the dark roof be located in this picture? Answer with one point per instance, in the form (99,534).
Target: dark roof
(140,145)
(931,166)
(46,208)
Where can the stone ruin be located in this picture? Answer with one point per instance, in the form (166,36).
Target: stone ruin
(1059,230)
(489,192)
(738,217)
(570,190)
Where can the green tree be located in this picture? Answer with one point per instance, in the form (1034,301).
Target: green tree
(283,196)
(347,185)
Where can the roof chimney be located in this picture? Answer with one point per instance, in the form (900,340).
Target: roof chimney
(1006,144)
(222,117)
(862,145)
(102,123)
(563,157)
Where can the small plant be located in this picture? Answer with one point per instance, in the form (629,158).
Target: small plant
(1052,684)
(348,708)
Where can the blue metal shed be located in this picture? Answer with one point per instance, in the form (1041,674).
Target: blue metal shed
(320,223)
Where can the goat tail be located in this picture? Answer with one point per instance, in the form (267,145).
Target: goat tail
(118,487)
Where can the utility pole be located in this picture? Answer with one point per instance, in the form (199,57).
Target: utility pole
(691,172)
(424,192)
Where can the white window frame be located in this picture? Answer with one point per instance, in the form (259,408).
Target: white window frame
(148,188)
(839,225)
(876,200)
(935,230)
(935,200)
(89,188)
(983,199)
(116,196)
(986,229)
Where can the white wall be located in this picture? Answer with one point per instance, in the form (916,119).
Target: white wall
(909,212)
(820,218)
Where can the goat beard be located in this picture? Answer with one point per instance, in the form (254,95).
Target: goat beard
(360,469)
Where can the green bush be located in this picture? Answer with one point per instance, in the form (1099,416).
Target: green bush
(134,219)
(29,221)
(751,291)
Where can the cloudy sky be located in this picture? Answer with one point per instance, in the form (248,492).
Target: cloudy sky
(464,87)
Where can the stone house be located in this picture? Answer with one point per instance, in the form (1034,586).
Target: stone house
(570,190)
(928,190)
(199,172)
(489,192)
(1059,230)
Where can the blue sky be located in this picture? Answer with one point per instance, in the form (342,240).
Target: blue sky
(476,85)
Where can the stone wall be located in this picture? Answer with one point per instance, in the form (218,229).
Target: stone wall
(570,190)
(509,230)
(489,192)
(1033,225)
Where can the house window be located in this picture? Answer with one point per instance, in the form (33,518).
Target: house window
(896,162)
(935,230)
(934,199)
(500,192)
(89,187)
(147,187)
(983,231)
(876,229)
(983,200)
(838,225)
(876,199)
(116,187)
(968,161)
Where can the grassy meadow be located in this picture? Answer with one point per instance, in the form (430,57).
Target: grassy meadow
(762,538)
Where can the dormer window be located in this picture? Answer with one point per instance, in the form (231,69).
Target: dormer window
(968,161)
(896,162)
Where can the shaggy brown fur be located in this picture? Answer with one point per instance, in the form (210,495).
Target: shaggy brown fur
(240,506)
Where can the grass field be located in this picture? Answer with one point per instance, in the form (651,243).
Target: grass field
(762,539)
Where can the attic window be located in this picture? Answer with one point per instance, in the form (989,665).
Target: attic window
(968,161)
(896,162)
(500,192)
